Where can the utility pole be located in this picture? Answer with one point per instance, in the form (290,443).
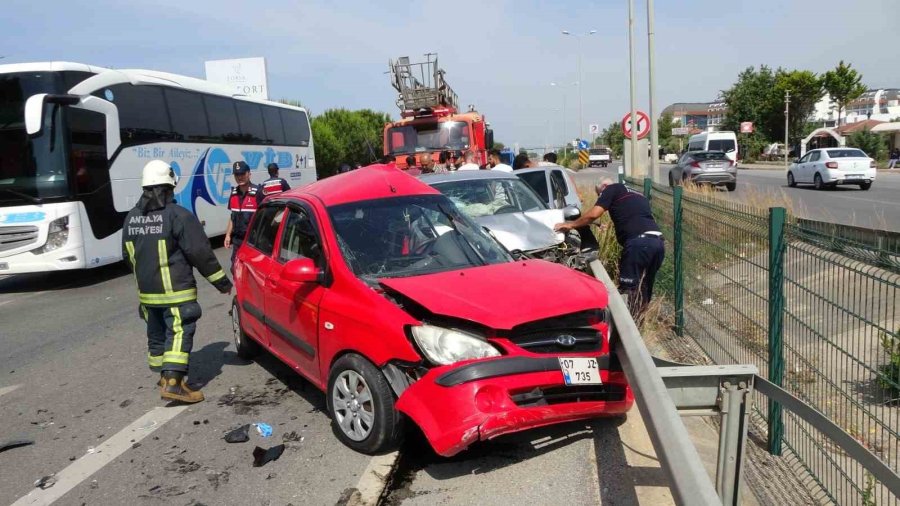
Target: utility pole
(787,114)
(631,86)
(654,134)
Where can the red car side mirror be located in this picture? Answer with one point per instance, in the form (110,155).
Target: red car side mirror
(301,270)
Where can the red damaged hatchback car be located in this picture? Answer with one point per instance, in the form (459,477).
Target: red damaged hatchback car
(380,292)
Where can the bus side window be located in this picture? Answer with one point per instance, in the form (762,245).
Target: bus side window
(274,128)
(188,115)
(223,122)
(296,127)
(251,122)
(142,113)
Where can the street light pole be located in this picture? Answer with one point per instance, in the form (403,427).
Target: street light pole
(631,86)
(580,81)
(787,112)
(654,134)
(564,131)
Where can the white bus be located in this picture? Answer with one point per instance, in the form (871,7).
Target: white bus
(716,141)
(74,139)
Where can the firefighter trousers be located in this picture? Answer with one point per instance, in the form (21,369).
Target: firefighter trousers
(170,335)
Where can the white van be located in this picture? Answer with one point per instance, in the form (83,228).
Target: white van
(716,141)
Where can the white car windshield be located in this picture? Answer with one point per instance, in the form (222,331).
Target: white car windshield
(408,236)
(488,197)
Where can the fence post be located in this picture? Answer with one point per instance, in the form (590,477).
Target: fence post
(677,262)
(776,323)
(648,187)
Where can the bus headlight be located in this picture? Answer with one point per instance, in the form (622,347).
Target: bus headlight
(57,236)
(443,346)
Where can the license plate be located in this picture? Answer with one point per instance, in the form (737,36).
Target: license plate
(4,266)
(580,371)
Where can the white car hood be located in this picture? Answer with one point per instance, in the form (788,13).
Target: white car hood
(528,231)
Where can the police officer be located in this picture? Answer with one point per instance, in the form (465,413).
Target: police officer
(642,242)
(244,201)
(163,243)
(274,184)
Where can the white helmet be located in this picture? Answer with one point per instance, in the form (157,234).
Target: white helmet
(158,172)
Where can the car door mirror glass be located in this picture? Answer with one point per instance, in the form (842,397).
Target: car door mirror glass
(301,270)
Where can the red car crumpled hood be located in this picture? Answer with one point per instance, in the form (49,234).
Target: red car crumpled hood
(502,296)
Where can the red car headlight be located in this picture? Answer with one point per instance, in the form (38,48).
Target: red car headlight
(444,346)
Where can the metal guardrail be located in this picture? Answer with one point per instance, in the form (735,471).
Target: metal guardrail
(666,391)
(815,306)
(689,482)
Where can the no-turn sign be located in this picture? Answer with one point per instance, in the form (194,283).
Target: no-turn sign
(643,125)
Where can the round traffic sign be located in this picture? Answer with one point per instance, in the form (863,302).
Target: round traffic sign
(643,124)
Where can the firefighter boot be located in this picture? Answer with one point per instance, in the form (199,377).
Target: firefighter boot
(175,388)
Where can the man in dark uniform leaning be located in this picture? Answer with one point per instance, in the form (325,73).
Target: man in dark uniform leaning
(636,230)
(274,184)
(163,243)
(243,202)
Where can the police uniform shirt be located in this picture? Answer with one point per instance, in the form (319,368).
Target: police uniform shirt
(629,211)
(242,207)
(274,185)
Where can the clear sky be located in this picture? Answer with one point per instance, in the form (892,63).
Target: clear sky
(500,55)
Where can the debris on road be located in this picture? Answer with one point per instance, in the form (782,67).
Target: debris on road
(46,482)
(262,457)
(239,435)
(15,443)
(264,429)
(125,403)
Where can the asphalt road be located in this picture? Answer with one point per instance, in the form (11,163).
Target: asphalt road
(73,379)
(878,207)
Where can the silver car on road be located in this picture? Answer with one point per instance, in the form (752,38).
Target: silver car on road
(704,167)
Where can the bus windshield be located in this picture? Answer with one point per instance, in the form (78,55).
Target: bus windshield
(429,136)
(31,167)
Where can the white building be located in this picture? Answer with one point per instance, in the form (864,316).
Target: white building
(881,105)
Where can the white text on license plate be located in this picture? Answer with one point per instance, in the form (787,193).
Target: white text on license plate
(580,371)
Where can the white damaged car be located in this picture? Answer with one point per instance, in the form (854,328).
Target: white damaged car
(515,215)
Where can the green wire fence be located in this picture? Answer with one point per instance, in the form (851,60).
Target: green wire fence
(815,305)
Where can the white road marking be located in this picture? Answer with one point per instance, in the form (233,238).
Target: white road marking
(372,481)
(106,452)
(6,390)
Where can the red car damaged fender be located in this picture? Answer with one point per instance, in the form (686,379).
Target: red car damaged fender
(379,291)
(475,400)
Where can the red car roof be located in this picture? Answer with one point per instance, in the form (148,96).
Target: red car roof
(371,182)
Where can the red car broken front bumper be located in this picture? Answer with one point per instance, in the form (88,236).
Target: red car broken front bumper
(459,404)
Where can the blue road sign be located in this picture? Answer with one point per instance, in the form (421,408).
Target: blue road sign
(582,144)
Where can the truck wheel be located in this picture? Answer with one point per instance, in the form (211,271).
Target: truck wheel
(731,186)
(361,403)
(865,186)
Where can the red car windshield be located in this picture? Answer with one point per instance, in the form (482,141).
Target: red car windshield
(408,236)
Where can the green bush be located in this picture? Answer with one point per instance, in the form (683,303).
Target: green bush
(889,373)
(872,144)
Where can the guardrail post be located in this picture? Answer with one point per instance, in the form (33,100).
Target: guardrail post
(678,264)
(776,323)
(648,188)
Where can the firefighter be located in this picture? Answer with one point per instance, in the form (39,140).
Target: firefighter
(274,184)
(243,202)
(643,248)
(163,243)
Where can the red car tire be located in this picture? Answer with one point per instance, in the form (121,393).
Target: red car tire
(362,407)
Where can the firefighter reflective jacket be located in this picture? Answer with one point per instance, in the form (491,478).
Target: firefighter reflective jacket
(162,242)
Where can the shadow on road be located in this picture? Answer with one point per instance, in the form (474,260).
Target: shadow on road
(60,280)
(618,478)
(207,362)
